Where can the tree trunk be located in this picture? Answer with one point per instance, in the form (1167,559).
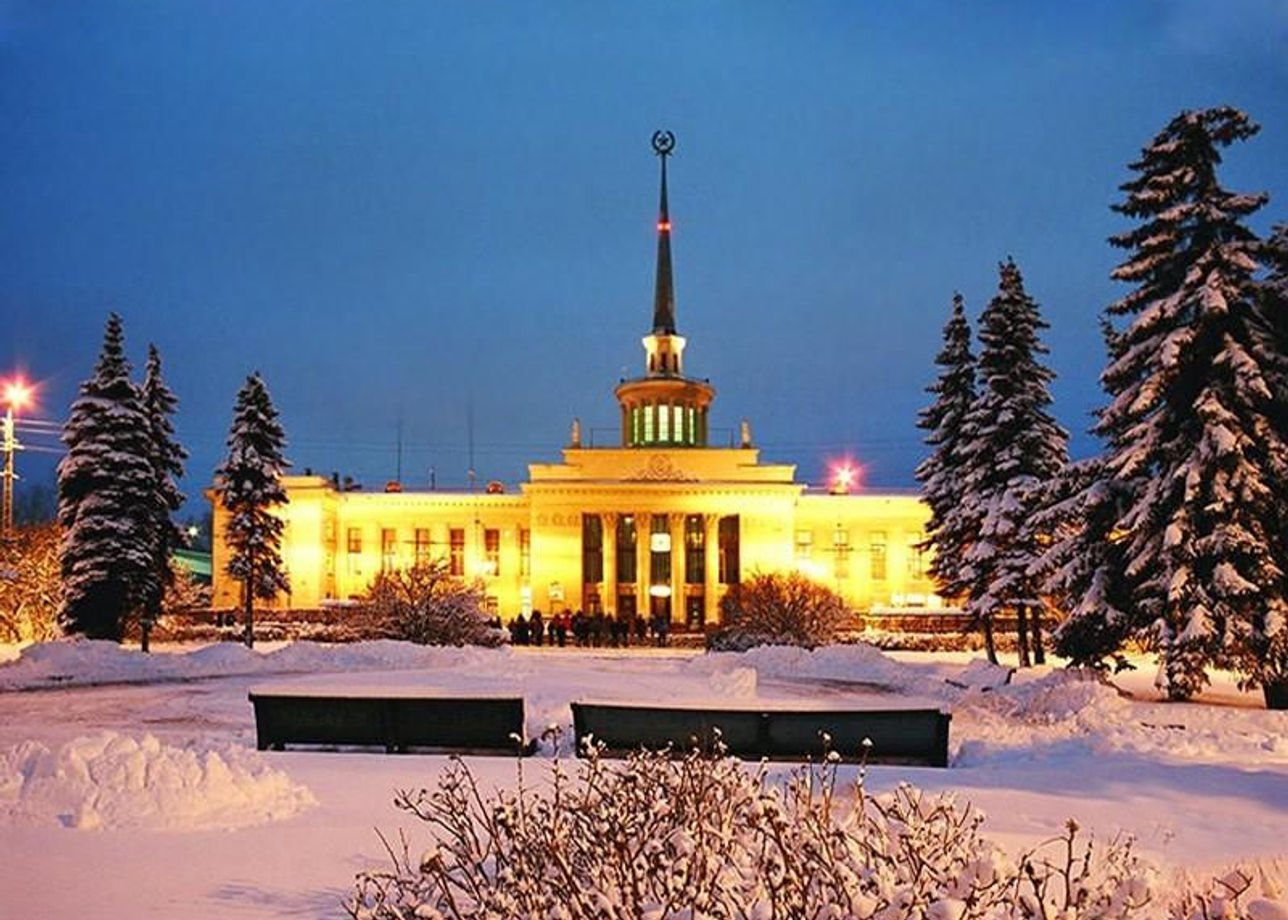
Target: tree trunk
(1039,654)
(990,647)
(145,630)
(248,601)
(1022,633)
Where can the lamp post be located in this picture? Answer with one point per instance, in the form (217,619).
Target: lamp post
(16,395)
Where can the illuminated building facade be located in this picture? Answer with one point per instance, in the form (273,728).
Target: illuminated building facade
(660,525)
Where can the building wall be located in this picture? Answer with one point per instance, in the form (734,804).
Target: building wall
(863,545)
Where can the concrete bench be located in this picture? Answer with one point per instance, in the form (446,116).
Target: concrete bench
(396,721)
(898,736)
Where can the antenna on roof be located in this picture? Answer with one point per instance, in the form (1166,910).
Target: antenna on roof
(469,435)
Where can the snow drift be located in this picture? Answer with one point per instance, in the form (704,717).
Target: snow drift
(78,662)
(112,781)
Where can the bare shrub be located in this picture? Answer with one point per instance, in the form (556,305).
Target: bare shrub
(426,604)
(775,608)
(699,837)
(31,585)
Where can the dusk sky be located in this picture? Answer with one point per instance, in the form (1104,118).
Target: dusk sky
(397,210)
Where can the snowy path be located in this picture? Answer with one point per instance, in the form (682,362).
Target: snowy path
(1032,756)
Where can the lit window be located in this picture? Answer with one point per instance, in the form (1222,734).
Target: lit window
(877,549)
(916,560)
(695,547)
(525,552)
(420,543)
(841,550)
(388,548)
(664,423)
(677,422)
(804,545)
(648,425)
(353,540)
(492,550)
(456,548)
(693,428)
(730,550)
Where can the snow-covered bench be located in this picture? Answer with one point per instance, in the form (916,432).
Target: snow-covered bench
(395,720)
(906,736)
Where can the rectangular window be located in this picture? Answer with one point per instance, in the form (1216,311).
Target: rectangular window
(695,550)
(420,545)
(877,550)
(729,551)
(353,540)
(456,551)
(626,538)
(841,551)
(592,549)
(648,425)
(660,551)
(692,430)
(525,552)
(388,549)
(916,560)
(635,425)
(677,423)
(664,423)
(492,551)
(804,545)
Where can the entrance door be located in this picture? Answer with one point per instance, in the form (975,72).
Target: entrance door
(693,607)
(660,608)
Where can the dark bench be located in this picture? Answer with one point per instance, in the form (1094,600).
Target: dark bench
(395,721)
(898,736)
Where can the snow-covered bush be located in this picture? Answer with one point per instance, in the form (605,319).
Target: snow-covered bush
(661,837)
(775,608)
(428,605)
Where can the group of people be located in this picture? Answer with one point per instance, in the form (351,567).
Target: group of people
(588,630)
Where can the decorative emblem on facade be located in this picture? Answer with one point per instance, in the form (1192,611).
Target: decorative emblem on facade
(660,469)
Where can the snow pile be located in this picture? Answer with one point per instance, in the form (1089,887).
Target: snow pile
(69,662)
(854,665)
(734,683)
(112,781)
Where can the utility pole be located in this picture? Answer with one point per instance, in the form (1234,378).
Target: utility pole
(16,395)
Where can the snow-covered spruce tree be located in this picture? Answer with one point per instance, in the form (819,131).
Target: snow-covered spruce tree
(940,474)
(249,484)
(167,456)
(1013,447)
(105,482)
(1082,566)
(1191,398)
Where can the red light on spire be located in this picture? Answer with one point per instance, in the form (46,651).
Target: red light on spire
(664,226)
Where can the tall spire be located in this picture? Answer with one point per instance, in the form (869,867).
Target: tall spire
(664,291)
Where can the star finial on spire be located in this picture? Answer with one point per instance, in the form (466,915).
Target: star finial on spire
(664,290)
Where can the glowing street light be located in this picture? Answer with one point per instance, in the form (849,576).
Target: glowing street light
(844,477)
(17,395)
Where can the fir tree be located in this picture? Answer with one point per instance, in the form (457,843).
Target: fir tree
(1013,447)
(105,482)
(1083,565)
(940,474)
(167,456)
(249,484)
(1191,399)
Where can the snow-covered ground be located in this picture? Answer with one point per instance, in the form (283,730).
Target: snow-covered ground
(129,786)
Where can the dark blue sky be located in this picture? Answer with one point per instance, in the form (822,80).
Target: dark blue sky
(396,208)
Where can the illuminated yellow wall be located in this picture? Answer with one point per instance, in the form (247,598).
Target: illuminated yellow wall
(840,540)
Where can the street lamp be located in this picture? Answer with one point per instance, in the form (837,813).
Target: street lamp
(16,395)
